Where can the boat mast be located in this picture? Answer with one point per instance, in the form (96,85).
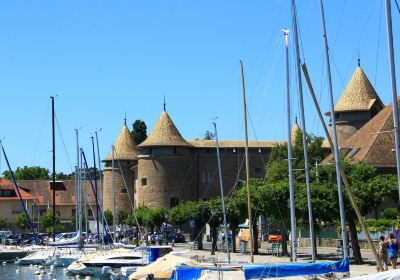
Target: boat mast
(113,193)
(78,211)
(95,187)
(304,132)
(222,194)
(293,244)
(335,141)
(101,186)
(54,167)
(394,89)
(247,165)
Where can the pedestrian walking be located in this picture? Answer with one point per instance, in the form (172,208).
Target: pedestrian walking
(383,252)
(393,250)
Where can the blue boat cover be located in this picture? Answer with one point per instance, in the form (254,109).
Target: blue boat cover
(294,269)
(191,273)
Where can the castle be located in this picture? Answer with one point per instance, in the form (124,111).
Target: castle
(166,169)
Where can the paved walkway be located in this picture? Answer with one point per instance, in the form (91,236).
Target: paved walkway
(324,254)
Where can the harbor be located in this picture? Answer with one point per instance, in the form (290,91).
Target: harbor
(200,141)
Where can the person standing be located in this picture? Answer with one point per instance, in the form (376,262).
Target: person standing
(383,253)
(393,250)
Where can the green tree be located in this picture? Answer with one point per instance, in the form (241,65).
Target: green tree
(236,212)
(390,213)
(139,131)
(121,217)
(108,217)
(208,135)
(28,173)
(46,221)
(3,223)
(369,189)
(21,222)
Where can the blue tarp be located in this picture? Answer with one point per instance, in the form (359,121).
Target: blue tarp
(190,273)
(294,269)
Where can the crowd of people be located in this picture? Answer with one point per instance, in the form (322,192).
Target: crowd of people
(389,248)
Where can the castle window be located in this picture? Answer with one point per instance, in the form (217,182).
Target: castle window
(206,177)
(174,150)
(144,182)
(173,201)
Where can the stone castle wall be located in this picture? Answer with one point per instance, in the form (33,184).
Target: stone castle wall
(121,196)
(161,178)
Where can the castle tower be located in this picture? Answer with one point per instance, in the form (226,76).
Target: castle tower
(125,160)
(358,104)
(295,130)
(167,167)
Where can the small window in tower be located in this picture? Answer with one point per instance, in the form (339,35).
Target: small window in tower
(206,177)
(174,150)
(173,201)
(144,182)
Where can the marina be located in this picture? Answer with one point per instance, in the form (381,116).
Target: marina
(234,202)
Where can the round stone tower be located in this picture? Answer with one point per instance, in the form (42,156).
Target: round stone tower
(358,104)
(167,167)
(125,160)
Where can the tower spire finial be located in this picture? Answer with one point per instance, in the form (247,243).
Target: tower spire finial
(125,119)
(359,60)
(165,104)
(295,120)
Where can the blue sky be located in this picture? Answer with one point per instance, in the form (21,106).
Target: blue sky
(105,58)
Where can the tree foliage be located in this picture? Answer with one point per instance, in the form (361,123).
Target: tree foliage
(208,135)
(21,222)
(46,221)
(139,131)
(3,223)
(28,173)
(108,217)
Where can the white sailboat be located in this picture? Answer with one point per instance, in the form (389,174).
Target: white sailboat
(92,264)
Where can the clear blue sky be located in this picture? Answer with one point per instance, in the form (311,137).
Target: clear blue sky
(105,58)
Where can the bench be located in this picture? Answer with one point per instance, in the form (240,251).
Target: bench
(274,249)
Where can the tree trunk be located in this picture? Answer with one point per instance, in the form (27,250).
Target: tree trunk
(234,239)
(354,242)
(255,238)
(214,239)
(284,241)
(137,235)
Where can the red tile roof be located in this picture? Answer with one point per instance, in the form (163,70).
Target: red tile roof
(373,143)
(40,190)
(8,185)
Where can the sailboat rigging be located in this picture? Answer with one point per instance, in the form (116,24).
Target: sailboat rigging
(249,213)
(304,134)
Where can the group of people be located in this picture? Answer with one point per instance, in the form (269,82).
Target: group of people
(389,248)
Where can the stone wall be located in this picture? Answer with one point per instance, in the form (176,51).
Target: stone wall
(162,178)
(121,196)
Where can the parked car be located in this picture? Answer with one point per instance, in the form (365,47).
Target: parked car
(275,237)
(13,239)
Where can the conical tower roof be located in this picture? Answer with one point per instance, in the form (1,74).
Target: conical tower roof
(165,133)
(295,130)
(359,94)
(124,147)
